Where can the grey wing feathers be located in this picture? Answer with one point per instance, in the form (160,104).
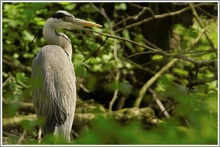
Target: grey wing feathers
(53,86)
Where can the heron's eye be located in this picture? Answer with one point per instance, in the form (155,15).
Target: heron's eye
(64,18)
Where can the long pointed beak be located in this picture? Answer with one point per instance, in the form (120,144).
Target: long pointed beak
(86,23)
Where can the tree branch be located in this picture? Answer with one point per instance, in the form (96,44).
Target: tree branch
(158,17)
(159,103)
(192,6)
(150,82)
(153,50)
(115,92)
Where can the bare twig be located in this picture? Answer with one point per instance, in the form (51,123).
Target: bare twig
(153,50)
(111,103)
(117,77)
(139,66)
(159,103)
(207,13)
(151,81)
(123,39)
(96,50)
(134,17)
(192,6)
(158,17)
(39,135)
(148,42)
(139,53)
(102,12)
(22,136)
(84,88)
(7,81)
(197,39)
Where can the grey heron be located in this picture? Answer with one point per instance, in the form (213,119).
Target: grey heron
(53,76)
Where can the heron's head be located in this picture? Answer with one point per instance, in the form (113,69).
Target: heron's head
(63,19)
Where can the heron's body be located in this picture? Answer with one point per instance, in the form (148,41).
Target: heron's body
(53,76)
(54,102)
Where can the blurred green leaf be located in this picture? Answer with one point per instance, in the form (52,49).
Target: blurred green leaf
(157,57)
(180,72)
(126,35)
(120,6)
(87,8)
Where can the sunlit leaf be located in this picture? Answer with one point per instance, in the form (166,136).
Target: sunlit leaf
(120,6)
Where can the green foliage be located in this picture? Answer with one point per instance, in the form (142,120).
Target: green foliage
(194,109)
(120,6)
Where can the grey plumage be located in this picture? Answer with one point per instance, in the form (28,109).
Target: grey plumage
(53,76)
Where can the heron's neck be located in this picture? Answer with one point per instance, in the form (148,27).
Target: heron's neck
(60,39)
